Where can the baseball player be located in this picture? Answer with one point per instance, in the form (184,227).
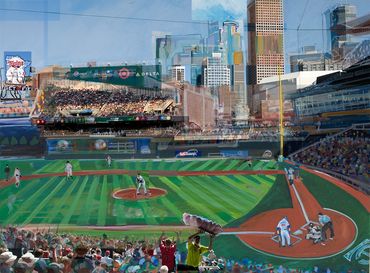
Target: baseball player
(290,173)
(314,233)
(326,223)
(109,160)
(68,170)
(283,230)
(17,176)
(140,184)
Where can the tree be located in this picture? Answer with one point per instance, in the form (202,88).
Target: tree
(5,141)
(23,141)
(34,141)
(13,141)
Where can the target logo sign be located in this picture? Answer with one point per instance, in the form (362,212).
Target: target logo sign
(124,73)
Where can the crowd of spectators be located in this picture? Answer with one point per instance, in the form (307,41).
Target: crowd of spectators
(104,103)
(347,154)
(147,132)
(252,133)
(44,251)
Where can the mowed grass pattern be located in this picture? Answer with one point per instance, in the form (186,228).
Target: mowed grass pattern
(87,200)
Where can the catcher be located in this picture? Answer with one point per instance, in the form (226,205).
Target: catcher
(314,233)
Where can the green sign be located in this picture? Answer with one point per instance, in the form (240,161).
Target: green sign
(140,76)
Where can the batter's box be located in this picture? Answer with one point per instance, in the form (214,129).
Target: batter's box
(293,238)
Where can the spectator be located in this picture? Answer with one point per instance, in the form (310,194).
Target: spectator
(81,263)
(7,260)
(168,249)
(40,264)
(195,250)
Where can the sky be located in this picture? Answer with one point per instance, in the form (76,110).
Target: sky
(74,39)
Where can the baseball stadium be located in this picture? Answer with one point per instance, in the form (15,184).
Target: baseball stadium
(137,167)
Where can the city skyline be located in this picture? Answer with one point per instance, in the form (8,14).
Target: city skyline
(56,38)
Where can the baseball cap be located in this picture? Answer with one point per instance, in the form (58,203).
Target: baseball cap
(7,257)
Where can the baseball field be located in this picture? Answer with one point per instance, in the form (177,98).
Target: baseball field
(247,201)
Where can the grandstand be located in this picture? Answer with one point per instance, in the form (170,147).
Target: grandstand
(344,155)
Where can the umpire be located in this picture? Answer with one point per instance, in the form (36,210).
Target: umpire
(326,223)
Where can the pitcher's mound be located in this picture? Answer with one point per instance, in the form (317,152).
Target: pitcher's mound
(130,194)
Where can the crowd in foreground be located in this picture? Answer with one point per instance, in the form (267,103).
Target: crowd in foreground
(25,251)
(347,154)
(104,103)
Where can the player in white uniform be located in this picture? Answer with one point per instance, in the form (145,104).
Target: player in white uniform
(68,170)
(283,230)
(290,173)
(109,160)
(17,176)
(140,184)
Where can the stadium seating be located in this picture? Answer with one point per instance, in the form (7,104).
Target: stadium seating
(345,153)
(66,102)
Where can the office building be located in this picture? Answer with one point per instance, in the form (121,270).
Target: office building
(216,72)
(341,42)
(178,73)
(265,28)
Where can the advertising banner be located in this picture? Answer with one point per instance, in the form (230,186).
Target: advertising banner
(17,66)
(139,76)
(188,153)
(59,146)
(234,153)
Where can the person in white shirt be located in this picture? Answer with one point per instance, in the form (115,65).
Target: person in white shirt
(68,170)
(109,160)
(107,259)
(17,176)
(140,184)
(283,230)
(290,173)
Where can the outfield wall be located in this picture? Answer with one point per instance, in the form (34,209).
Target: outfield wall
(124,147)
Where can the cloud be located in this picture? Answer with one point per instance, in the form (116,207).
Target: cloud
(208,9)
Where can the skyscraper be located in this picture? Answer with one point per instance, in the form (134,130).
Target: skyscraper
(265,26)
(341,42)
(216,73)
(178,73)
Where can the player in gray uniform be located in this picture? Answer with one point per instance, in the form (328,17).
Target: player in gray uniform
(140,184)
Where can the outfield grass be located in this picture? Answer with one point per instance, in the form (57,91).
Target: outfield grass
(278,194)
(40,166)
(87,200)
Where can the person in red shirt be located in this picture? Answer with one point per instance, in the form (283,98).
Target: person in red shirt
(168,249)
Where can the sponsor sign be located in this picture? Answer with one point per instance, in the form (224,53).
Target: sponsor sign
(133,75)
(188,153)
(234,153)
(17,67)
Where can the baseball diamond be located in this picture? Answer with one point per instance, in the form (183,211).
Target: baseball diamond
(248,201)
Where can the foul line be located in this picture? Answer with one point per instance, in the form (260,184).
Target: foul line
(301,204)
(246,232)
